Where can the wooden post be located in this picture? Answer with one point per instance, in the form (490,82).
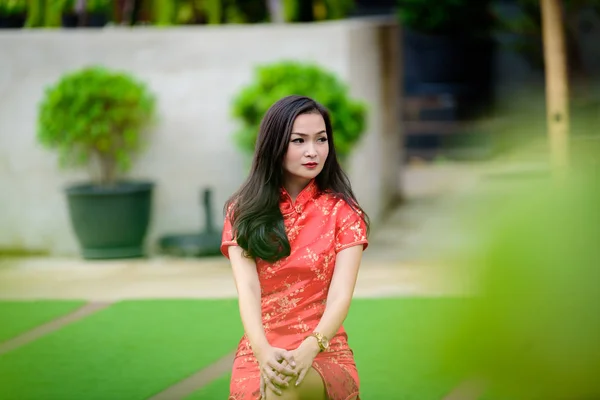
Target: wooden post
(557,90)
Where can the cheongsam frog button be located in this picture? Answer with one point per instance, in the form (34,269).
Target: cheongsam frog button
(299,209)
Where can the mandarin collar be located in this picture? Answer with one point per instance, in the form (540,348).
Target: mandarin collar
(305,195)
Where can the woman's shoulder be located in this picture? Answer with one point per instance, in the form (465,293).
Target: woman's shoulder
(337,203)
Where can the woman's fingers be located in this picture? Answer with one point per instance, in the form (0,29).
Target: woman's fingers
(263,393)
(301,376)
(287,356)
(282,368)
(273,377)
(286,378)
(271,385)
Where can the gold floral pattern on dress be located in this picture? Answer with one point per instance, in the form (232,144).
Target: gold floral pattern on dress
(294,290)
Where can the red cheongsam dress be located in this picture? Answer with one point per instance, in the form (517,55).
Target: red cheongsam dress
(294,290)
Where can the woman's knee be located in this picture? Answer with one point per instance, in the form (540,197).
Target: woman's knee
(289,393)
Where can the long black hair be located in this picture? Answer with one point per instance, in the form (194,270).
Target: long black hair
(254,209)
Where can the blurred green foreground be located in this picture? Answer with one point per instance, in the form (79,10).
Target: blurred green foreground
(533,330)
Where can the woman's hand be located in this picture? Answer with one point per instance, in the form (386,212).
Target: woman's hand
(304,356)
(275,364)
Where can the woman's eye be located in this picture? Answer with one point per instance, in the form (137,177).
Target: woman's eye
(297,140)
(323,139)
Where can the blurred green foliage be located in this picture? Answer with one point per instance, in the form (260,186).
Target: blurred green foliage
(194,11)
(164,12)
(47,13)
(35,14)
(99,6)
(12,7)
(96,115)
(253,11)
(277,80)
(532,329)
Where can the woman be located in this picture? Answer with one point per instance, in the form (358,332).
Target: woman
(294,234)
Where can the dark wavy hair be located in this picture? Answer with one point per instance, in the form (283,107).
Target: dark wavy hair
(254,209)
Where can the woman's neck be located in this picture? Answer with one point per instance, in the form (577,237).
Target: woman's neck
(294,187)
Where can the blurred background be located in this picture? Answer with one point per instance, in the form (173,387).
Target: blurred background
(469,130)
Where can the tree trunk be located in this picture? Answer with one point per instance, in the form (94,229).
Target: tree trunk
(557,91)
(104,169)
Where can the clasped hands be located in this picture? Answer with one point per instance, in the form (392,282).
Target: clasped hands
(278,367)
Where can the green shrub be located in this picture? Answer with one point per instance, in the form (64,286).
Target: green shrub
(274,81)
(95,116)
(10,7)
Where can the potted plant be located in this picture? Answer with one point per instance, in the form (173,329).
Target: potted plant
(96,117)
(13,13)
(276,80)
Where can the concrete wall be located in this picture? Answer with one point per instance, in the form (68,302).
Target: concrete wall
(195,73)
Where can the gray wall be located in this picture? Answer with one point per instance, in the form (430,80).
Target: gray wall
(195,71)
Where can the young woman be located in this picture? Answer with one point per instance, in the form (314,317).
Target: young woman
(294,234)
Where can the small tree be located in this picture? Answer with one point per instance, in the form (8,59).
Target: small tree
(95,117)
(277,80)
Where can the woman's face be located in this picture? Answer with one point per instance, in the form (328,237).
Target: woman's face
(307,150)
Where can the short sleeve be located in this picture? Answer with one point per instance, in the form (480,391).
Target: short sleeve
(351,229)
(227,238)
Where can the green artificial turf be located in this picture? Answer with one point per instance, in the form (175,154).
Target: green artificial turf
(17,317)
(216,390)
(391,343)
(131,350)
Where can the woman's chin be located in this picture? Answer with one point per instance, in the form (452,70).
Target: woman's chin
(309,175)
(304,174)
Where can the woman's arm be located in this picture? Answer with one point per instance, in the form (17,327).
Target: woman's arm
(248,288)
(336,310)
(269,358)
(341,290)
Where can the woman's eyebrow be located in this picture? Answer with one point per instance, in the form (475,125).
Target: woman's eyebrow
(307,134)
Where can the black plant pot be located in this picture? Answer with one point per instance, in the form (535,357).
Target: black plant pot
(111,222)
(12,21)
(70,20)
